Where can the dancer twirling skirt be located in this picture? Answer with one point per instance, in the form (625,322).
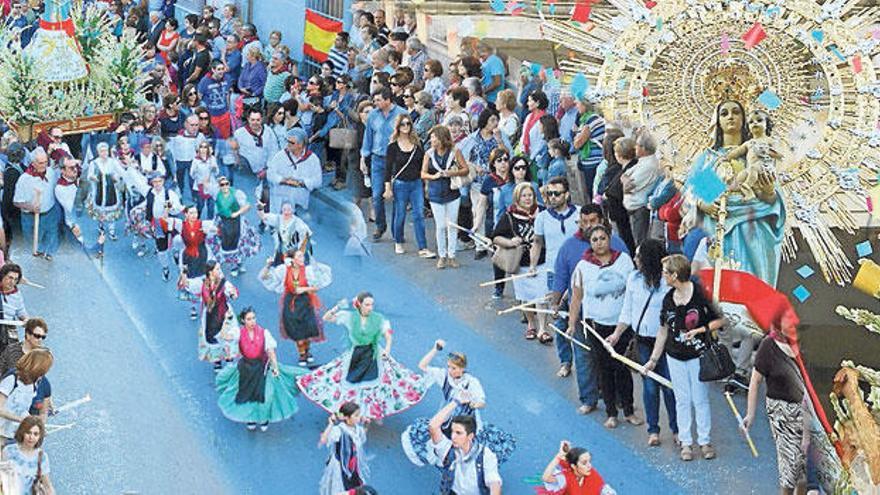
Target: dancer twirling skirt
(456,384)
(298,285)
(364,375)
(257,391)
(217,332)
(237,239)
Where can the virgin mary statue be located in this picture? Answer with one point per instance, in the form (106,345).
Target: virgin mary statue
(54,46)
(754,226)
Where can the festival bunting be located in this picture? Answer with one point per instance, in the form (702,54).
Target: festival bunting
(320,33)
(581,12)
(754,35)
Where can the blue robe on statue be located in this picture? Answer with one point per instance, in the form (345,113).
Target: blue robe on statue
(753,231)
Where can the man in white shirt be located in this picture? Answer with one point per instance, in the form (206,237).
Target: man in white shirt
(256,143)
(293,172)
(638,183)
(184,147)
(160,203)
(552,227)
(35,194)
(464,463)
(65,194)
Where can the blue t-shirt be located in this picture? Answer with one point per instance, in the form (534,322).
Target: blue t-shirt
(493,66)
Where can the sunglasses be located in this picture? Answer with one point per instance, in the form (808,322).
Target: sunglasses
(57,136)
(40,336)
(405,124)
(520,167)
(224,184)
(204,118)
(556,193)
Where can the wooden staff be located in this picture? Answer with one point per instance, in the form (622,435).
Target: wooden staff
(523,305)
(545,311)
(739,420)
(38,194)
(625,360)
(569,337)
(485,241)
(511,277)
(72,404)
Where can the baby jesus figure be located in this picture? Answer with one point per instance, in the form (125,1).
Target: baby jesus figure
(760,153)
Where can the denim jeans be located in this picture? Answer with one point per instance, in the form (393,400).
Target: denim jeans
(651,390)
(47,238)
(563,345)
(586,369)
(411,192)
(205,205)
(691,395)
(377,176)
(589,172)
(183,177)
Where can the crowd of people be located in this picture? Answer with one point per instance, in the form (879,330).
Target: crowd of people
(495,158)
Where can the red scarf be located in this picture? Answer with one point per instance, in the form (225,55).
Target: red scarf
(64,182)
(258,138)
(531,120)
(252,347)
(193,237)
(589,257)
(296,277)
(33,171)
(530,213)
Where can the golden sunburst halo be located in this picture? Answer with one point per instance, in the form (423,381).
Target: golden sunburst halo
(668,67)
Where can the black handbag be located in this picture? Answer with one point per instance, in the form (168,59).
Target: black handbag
(632,348)
(715,361)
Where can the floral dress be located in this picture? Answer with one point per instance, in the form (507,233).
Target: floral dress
(218,339)
(377,383)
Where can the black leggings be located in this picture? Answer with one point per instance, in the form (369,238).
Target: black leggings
(614,376)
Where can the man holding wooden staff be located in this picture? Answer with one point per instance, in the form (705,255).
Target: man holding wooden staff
(35,197)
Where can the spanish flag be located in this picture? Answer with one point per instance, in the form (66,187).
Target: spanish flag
(320,33)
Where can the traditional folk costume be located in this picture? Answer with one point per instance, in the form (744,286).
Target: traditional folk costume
(136,188)
(378,384)
(157,222)
(193,258)
(289,233)
(249,392)
(105,202)
(237,239)
(300,319)
(568,483)
(346,467)
(55,45)
(218,338)
(416,439)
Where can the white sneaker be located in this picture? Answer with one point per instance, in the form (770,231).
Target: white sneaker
(427,254)
(398,248)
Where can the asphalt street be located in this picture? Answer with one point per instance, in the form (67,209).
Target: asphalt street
(120,334)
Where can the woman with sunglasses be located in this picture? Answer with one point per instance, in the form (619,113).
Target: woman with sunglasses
(520,172)
(237,238)
(339,106)
(190,100)
(442,162)
(404,185)
(457,385)
(423,114)
(490,188)
(276,123)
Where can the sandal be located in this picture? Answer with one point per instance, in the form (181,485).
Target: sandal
(564,370)
(611,423)
(708,451)
(634,420)
(531,334)
(545,338)
(687,454)
(653,440)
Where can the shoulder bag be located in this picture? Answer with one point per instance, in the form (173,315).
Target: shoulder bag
(38,487)
(632,348)
(715,361)
(459,181)
(344,137)
(508,259)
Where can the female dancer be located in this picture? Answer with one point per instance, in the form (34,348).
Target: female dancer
(345,437)
(290,230)
(247,393)
(217,328)
(298,285)
(238,240)
(105,204)
(571,472)
(195,255)
(465,389)
(364,375)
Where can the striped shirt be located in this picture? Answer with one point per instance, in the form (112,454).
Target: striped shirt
(339,58)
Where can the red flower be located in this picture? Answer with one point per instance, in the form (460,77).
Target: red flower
(386,379)
(337,376)
(412,395)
